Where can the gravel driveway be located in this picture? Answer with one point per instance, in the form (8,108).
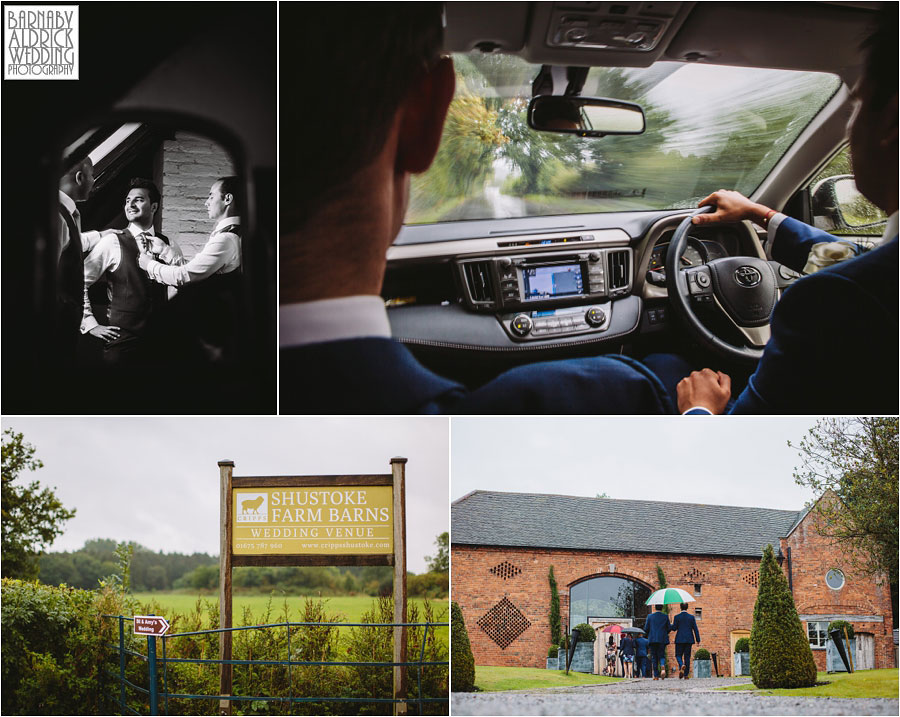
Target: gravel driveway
(649,697)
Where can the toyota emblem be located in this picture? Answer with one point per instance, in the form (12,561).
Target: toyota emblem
(747,276)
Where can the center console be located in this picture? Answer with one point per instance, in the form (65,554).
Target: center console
(548,294)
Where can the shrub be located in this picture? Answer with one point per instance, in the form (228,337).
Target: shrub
(840,625)
(553,651)
(742,645)
(462,663)
(701,654)
(555,623)
(781,655)
(585,632)
(53,645)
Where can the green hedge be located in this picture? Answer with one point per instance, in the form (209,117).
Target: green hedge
(701,654)
(585,632)
(54,655)
(742,645)
(838,625)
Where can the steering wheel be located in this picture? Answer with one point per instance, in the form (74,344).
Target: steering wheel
(743,288)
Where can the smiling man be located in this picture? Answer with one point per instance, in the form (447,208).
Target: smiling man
(133,297)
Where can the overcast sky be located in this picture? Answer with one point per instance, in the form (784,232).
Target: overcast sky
(715,461)
(155,481)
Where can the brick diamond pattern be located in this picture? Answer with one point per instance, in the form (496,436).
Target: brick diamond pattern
(504,623)
(505,570)
(694,576)
(751,579)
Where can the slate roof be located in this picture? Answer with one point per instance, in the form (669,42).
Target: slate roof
(536,520)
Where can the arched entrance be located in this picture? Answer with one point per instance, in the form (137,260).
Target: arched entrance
(607,600)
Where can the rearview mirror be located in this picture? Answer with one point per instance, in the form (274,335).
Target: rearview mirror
(839,205)
(585,116)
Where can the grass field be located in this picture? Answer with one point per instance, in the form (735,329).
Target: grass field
(350,608)
(500,679)
(865,683)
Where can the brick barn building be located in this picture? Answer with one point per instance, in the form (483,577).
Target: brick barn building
(605,554)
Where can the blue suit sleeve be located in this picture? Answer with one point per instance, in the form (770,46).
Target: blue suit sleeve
(696,629)
(794,241)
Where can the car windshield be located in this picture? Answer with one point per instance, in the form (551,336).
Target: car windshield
(708,127)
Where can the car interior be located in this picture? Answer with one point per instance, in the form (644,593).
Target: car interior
(560,242)
(197,81)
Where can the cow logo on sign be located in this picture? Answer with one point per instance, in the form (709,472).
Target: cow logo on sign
(252,507)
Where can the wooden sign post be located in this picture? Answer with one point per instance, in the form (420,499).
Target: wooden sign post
(311,521)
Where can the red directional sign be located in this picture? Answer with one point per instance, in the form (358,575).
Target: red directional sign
(150,625)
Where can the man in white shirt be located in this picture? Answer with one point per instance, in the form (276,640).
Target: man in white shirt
(133,298)
(209,283)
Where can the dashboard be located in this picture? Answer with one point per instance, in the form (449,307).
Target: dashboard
(595,282)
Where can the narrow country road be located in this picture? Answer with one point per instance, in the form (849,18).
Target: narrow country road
(649,697)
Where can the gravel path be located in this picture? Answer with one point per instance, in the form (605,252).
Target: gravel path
(655,697)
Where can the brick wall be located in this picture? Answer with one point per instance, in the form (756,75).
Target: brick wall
(812,556)
(188,166)
(728,594)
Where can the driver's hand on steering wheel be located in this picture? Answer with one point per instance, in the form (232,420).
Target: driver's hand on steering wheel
(731,206)
(704,389)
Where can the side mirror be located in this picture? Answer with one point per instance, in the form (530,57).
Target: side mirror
(838,204)
(585,116)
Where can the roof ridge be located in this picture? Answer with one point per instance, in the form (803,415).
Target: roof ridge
(630,500)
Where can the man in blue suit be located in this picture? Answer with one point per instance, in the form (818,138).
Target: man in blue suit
(641,645)
(685,628)
(351,151)
(834,333)
(658,628)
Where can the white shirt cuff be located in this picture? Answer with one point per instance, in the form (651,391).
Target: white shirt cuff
(697,408)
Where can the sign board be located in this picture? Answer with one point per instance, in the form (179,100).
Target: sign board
(150,625)
(313,520)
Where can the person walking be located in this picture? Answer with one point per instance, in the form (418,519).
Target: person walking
(641,645)
(685,628)
(626,647)
(658,628)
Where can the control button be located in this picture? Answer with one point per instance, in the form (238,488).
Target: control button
(595,316)
(521,325)
(702,280)
(505,262)
(594,256)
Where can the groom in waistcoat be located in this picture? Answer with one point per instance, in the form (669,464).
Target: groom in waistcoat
(134,299)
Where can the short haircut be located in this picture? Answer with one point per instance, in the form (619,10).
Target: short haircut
(230,185)
(341,90)
(880,55)
(684,606)
(657,607)
(152,189)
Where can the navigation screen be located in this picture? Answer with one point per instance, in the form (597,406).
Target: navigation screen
(549,282)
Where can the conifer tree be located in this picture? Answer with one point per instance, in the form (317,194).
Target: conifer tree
(781,656)
(462,663)
(555,624)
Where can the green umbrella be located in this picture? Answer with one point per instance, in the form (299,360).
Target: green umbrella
(668,596)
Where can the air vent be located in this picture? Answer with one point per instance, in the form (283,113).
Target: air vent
(619,271)
(479,281)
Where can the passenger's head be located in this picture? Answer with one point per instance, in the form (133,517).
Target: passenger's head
(78,181)
(683,606)
(142,202)
(873,128)
(658,608)
(223,198)
(348,71)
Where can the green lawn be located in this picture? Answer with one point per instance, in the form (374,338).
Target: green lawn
(865,683)
(499,679)
(350,608)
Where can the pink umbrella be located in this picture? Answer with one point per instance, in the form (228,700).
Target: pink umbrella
(612,628)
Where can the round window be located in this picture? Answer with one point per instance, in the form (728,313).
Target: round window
(835,579)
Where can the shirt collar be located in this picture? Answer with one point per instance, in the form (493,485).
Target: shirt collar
(135,230)
(346,317)
(226,222)
(67,202)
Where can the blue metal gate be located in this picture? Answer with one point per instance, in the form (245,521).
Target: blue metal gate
(158,696)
